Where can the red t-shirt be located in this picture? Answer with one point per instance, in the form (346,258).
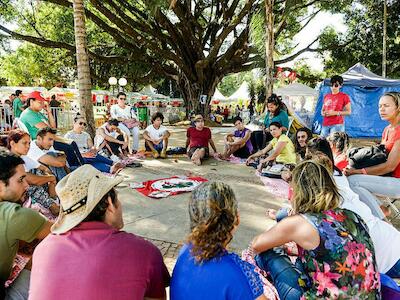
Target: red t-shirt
(334,102)
(198,138)
(388,139)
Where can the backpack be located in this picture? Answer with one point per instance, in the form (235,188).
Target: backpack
(363,157)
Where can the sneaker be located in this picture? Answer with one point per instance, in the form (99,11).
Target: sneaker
(156,154)
(163,154)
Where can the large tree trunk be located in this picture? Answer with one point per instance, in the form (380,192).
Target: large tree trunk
(269,47)
(82,58)
(192,91)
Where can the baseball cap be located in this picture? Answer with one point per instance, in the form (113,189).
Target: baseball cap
(36,95)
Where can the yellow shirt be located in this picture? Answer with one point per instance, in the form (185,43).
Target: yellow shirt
(288,154)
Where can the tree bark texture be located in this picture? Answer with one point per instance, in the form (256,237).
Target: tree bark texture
(82,58)
(269,47)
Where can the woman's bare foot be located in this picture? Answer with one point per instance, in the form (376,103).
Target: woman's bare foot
(386,210)
(196,161)
(271,213)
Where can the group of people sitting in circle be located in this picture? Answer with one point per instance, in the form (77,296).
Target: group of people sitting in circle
(345,245)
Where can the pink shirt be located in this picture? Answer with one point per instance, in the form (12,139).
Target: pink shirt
(95,261)
(335,102)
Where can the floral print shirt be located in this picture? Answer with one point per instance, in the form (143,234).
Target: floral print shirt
(343,266)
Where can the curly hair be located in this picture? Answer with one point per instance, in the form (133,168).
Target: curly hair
(213,215)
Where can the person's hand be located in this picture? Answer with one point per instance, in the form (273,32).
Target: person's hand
(52,179)
(330,113)
(348,171)
(124,145)
(47,106)
(249,160)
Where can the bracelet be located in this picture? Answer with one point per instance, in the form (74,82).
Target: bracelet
(364,171)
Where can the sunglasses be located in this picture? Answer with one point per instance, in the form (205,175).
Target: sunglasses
(82,123)
(122,98)
(336,84)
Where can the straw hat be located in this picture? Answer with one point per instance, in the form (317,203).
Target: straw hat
(79,193)
(198,118)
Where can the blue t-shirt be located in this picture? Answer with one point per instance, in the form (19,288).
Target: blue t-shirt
(226,277)
(282,118)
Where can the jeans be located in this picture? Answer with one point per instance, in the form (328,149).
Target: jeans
(159,147)
(100,162)
(131,131)
(326,130)
(59,172)
(19,289)
(394,272)
(74,157)
(285,275)
(368,185)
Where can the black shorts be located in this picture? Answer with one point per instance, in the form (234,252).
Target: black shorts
(242,152)
(193,149)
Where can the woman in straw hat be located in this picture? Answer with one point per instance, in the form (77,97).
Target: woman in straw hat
(336,252)
(87,256)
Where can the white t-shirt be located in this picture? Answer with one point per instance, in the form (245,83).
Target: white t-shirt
(154,133)
(385,237)
(29,163)
(36,153)
(125,113)
(81,139)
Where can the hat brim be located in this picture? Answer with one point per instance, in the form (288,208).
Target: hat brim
(97,189)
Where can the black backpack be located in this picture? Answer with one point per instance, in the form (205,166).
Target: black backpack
(364,157)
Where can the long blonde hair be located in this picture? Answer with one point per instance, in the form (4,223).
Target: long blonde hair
(314,188)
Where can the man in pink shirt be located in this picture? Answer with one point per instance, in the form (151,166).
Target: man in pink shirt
(336,106)
(87,256)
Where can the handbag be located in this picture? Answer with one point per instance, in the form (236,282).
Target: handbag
(131,123)
(364,157)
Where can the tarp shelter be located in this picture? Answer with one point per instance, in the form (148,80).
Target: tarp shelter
(364,88)
(301,99)
(218,97)
(242,93)
(148,90)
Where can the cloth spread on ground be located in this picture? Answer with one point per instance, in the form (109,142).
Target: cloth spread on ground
(277,187)
(233,159)
(162,188)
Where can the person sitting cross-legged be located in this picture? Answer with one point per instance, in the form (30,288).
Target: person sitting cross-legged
(205,268)
(282,146)
(87,254)
(198,138)
(156,136)
(238,143)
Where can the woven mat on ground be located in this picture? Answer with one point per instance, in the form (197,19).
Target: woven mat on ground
(164,187)
(277,187)
(233,159)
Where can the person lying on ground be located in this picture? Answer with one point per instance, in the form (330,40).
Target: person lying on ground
(128,121)
(318,227)
(282,146)
(339,142)
(303,135)
(32,117)
(110,137)
(41,181)
(197,140)
(117,264)
(86,148)
(370,181)
(16,223)
(42,151)
(238,143)
(205,269)
(156,136)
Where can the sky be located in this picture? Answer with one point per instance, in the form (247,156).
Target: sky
(308,34)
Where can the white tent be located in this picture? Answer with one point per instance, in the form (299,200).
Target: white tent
(218,96)
(242,93)
(148,90)
(296,89)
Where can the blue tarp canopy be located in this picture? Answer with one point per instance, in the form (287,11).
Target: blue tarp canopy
(364,88)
